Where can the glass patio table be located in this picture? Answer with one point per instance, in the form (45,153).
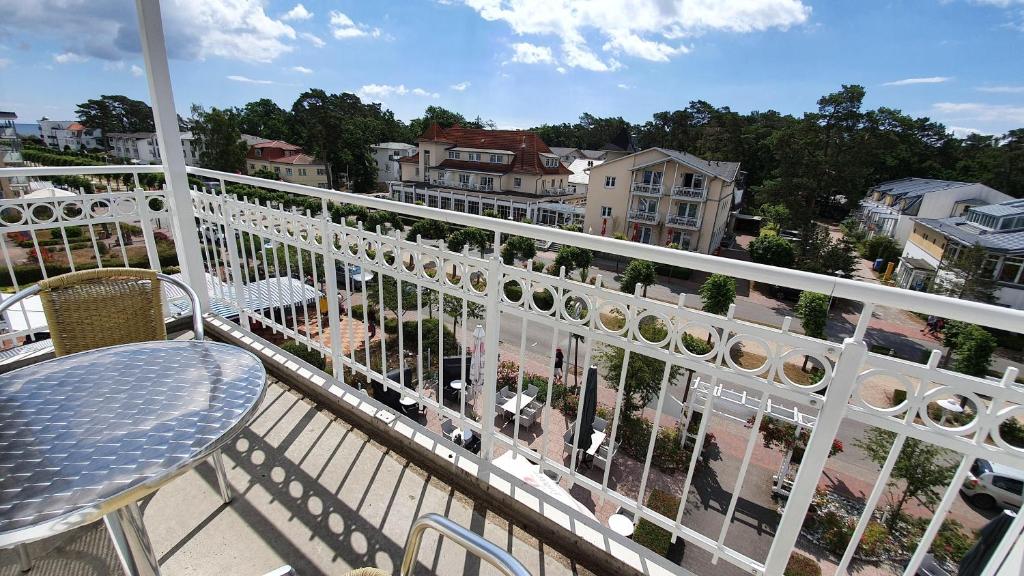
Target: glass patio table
(85,436)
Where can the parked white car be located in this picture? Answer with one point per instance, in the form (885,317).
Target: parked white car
(990,485)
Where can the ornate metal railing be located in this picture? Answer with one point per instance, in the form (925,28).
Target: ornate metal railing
(360,278)
(689,192)
(647,189)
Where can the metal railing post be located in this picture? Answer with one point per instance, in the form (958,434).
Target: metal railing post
(165,116)
(492,331)
(844,379)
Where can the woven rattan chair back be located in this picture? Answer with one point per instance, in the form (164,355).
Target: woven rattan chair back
(103,307)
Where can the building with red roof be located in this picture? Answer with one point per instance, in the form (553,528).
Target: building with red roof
(512,172)
(288,161)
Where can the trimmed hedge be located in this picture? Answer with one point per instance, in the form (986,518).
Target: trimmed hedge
(27,274)
(800,565)
(309,355)
(650,535)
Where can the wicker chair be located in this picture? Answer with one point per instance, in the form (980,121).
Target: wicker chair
(104,307)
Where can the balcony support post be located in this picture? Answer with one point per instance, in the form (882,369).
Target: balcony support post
(830,417)
(492,319)
(165,116)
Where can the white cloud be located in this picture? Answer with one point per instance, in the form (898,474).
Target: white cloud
(380,92)
(962,132)
(247,80)
(923,80)
(343,27)
(313,39)
(424,93)
(998,3)
(560,70)
(299,12)
(624,86)
(637,29)
(527,53)
(1001,89)
(136,70)
(633,45)
(978,114)
(302,70)
(69,58)
(461,86)
(194,29)
(377,92)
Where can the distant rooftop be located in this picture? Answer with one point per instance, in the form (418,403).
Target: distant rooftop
(1008,208)
(395,146)
(8,115)
(913,187)
(970,234)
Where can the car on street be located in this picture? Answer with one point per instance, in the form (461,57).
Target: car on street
(989,485)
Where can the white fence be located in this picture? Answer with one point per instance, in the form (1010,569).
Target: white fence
(527,314)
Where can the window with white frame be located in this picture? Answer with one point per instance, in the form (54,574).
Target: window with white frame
(517,182)
(302,171)
(454,155)
(551,162)
(463,178)
(606,211)
(487,182)
(609,181)
(441,175)
(647,205)
(288,171)
(497,158)
(1011,270)
(474,156)
(652,177)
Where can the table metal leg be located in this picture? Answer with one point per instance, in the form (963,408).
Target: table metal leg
(222,476)
(24,558)
(131,541)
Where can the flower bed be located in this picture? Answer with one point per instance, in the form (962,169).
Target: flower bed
(833,518)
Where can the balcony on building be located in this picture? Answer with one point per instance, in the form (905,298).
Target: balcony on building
(689,192)
(644,216)
(646,189)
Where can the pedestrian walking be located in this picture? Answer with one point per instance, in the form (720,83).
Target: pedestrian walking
(559,359)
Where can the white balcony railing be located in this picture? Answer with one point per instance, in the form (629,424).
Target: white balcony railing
(304,264)
(689,192)
(688,222)
(643,216)
(647,189)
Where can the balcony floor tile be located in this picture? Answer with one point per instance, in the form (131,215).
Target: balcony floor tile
(311,492)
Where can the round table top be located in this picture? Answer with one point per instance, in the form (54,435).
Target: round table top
(407,400)
(621,524)
(456,384)
(951,404)
(85,434)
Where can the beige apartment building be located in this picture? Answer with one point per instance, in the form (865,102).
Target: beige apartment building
(288,161)
(660,196)
(510,172)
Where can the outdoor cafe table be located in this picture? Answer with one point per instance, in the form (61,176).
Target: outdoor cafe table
(522,399)
(85,436)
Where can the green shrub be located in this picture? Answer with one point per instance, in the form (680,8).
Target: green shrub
(308,355)
(800,565)
(882,247)
(27,274)
(952,542)
(899,396)
(513,291)
(648,534)
(873,541)
(1012,431)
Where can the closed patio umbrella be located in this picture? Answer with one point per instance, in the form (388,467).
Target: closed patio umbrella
(975,560)
(476,361)
(589,411)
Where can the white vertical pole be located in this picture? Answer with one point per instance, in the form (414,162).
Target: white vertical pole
(491,320)
(165,116)
(844,380)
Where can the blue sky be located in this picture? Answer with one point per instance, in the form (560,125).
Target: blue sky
(525,62)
